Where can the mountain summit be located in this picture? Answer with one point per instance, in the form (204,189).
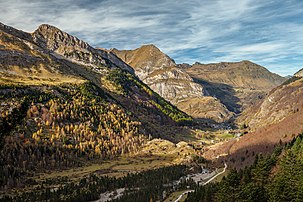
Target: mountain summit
(165,77)
(211,91)
(145,60)
(65,45)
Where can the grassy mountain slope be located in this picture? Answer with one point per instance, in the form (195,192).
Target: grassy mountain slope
(277,118)
(65,104)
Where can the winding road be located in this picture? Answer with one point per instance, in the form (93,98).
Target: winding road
(186,192)
(208,181)
(211,179)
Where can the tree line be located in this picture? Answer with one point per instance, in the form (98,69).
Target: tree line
(277,177)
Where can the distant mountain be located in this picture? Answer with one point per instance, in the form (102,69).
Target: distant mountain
(238,85)
(165,77)
(213,91)
(160,72)
(244,74)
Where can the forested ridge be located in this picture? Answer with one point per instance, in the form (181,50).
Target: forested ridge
(277,177)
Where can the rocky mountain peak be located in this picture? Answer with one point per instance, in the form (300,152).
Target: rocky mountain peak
(53,38)
(145,59)
(62,44)
(171,81)
(150,47)
(48,28)
(155,53)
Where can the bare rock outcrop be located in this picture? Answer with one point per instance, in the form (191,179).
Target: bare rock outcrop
(172,82)
(70,47)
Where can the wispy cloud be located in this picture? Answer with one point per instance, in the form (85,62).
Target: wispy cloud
(266,32)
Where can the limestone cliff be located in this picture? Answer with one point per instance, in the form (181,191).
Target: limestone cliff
(171,81)
(62,44)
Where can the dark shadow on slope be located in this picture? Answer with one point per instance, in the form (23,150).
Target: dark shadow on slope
(204,123)
(225,93)
(244,157)
(242,152)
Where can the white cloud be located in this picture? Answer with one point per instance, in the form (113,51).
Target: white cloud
(268,32)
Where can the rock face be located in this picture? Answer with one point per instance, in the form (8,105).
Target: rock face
(145,60)
(64,45)
(212,91)
(171,81)
(173,84)
(160,72)
(277,105)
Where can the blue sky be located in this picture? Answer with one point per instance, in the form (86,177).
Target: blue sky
(268,32)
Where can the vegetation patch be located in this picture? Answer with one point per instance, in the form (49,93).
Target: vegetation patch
(277,177)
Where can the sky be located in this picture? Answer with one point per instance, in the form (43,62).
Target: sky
(267,32)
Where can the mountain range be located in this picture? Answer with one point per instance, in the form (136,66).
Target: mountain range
(205,91)
(50,56)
